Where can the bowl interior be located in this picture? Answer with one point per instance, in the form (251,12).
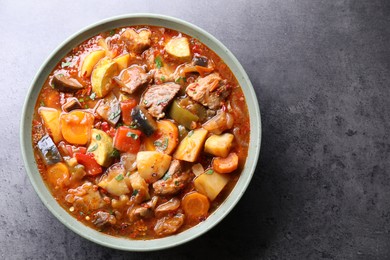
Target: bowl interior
(106,25)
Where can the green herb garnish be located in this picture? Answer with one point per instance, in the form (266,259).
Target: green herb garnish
(42,104)
(184,79)
(115,153)
(93,96)
(115,114)
(93,148)
(158,62)
(162,78)
(135,192)
(119,177)
(162,145)
(177,183)
(190,133)
(66,64)
(98,137)
(112,32)
(81,100)
(209,171)
(132,135)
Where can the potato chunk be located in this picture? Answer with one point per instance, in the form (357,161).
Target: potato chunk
(51,119)
(101,147)
(102,76)
(90,61)
(219,145)
(179,48)
(122,61)
(210,183)
(115,181)
(190,147)
(152,165)
(140,187)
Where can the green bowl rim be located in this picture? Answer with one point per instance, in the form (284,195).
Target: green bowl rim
(124,243)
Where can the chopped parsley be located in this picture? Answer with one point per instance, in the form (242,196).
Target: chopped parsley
(132,135)
(98,137)
(162,78)
(119,177)
(184,79)
(93,148)
(158,62)
(66,64)
(209,171)
(115,114)
(42,104)
(128,174)
(115,153)
(112,32)
(162,145)
(190,133)
(93,96)
(177,183)
(81,100)
(135,192)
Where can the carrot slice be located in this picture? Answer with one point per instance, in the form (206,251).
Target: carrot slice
(226,165)
(76,126)
(58,174)
(195,205)
(164,139)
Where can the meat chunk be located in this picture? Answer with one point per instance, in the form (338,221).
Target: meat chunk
(157,97)
(173,181)
(210,91)
(132,78)
(85,197)
(169,225)
(109,109)
(101,218)
(167,207)
(146,210)
(136,41)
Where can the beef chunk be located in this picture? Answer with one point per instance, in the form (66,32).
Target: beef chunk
(173,181)
(132,78)
(136,41)
(210,91)
(169,225)
(157,97)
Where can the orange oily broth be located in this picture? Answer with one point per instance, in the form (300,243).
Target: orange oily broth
(142,229)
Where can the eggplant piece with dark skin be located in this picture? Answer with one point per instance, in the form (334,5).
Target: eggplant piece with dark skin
(48,150)
(143,120)
(72,104)
(200,61)
(66,84)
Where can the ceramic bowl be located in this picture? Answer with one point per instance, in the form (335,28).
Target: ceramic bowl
(123,243)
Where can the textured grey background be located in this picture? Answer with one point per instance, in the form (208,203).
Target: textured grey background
(321,73)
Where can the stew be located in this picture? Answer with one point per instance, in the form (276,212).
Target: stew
(141,132)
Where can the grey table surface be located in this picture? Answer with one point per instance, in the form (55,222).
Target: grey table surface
(320,70)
